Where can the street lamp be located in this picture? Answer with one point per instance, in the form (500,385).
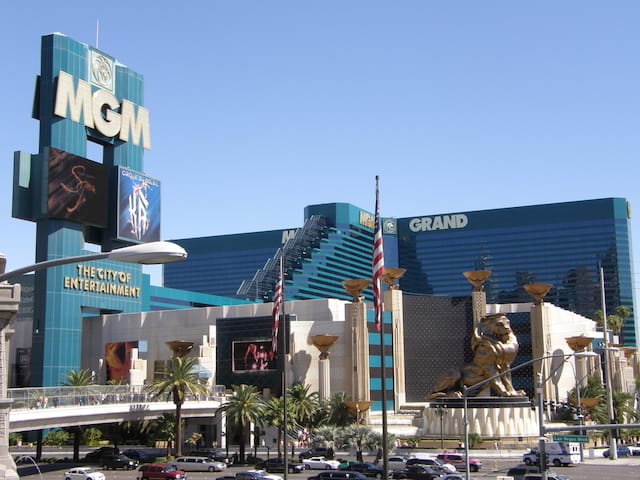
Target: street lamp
(151,253)
(147,254)
(441,411)
(465,397)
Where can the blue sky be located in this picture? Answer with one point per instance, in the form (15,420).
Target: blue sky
(259,108)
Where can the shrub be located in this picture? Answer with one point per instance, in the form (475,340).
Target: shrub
(56,438)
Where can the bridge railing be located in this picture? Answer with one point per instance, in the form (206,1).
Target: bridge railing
(54,397)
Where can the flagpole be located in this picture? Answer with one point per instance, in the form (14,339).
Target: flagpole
(378,304)
(284,368)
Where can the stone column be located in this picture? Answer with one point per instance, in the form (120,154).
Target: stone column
(323,343)
(540,343)
(9,303)
(393,303)
(477,278)
(356,315)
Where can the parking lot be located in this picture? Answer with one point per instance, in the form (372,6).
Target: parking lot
(494,465)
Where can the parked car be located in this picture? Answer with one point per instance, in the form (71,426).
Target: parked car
(396,462)
(213,454)
(97,455)
(435,463)
(256,475)
(367,469)
(338,475)
(321,463)
(550,476)
(623,451)
(520,471)
(276,465)
(458,460)
(83,473)
(417,472)
(119,461)
(326,452)
(160,471)
(198,464)
(452,476)
(139,455)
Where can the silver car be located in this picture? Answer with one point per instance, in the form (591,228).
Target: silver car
(198,464)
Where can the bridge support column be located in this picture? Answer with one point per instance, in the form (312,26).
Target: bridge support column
(9,303)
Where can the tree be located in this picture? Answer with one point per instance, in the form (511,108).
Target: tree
(274,416)
(245,407)
(164,428)
(358,437)
(615,321)
(304,404)
(179,378)
(377,443)
(338,413)
(77,378)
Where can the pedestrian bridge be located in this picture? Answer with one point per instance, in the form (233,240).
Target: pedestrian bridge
(51,407)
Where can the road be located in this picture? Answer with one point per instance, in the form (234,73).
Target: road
(601,469)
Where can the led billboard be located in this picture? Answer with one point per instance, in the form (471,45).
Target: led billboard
(77,189)
(138,207)
(252,356)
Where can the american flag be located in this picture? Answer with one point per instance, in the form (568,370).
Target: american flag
(378,265)
(277,307)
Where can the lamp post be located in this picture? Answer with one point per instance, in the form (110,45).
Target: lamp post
(441,411)
(147,253)
(613,447)
(465,398)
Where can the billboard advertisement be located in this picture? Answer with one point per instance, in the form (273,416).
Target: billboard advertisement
(117,358)
(252,356)
(138,207)
(77,189)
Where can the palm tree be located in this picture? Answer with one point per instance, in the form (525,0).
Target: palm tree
(243,408)
(358,437)
(377,443)
(304,404)
(179,379)
(338,413)
(615,321)
(77,378)
(274,416)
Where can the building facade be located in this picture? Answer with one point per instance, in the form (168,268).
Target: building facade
(562,244)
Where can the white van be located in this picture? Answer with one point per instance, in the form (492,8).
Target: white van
(558,453)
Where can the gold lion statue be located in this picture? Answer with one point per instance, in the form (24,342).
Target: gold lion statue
(494,347)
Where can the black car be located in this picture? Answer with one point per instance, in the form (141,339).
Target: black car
(118,461)
(276,465)
(140,455)
(367,469)
(97,455)
(326,452)
(417,472)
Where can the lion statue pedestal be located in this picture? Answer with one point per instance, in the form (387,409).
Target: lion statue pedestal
(488,417)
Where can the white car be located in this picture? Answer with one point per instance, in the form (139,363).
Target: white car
(264,475)
(198,464)
(321,463)
(83,473)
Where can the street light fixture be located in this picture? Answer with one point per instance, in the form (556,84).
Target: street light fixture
(441,411)
(151,253)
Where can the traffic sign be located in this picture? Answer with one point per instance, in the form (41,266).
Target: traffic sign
(571,438)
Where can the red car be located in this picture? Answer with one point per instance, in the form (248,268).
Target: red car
(160,471)
(458,461)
